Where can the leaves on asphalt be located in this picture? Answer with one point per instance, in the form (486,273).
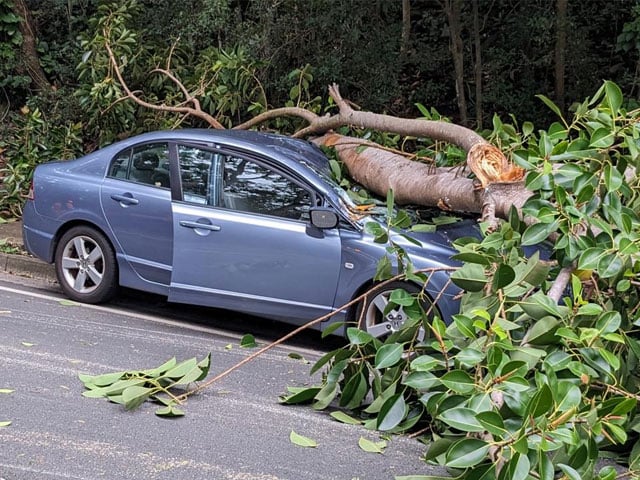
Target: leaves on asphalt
(302,441)
(248,341)
(372,447)
(131,389)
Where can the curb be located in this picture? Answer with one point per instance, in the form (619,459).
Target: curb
(27,267)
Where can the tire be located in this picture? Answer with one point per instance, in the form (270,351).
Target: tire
(86,266)
(369,312)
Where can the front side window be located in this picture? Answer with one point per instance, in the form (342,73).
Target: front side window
(251,187)
(146,164)
(236,183)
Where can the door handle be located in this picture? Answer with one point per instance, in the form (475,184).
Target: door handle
(204,226)
(125,199)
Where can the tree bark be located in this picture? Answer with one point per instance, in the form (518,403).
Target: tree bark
(561,45)
(478,64)
(406,27)
(419,183)
(452,10)
(30,61)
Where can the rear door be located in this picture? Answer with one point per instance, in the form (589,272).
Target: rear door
(241,241)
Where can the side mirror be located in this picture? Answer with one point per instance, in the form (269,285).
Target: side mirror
(323,218)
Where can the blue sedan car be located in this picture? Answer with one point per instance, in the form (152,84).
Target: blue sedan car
(239,220)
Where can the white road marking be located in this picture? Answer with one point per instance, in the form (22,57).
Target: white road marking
(162,321)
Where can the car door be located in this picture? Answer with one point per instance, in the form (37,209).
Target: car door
(241,240)
(136,201)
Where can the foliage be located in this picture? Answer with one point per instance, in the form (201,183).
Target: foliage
(99,90)
(10,42)
(518,384)
(31,140)
(159,385)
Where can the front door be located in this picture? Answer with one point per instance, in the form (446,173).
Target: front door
(241,241)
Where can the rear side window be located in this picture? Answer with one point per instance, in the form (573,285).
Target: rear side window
(146,164)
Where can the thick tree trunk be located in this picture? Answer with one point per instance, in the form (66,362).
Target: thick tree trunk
(406,27)
(452,9)
(30,61)
(478,64)
(418,183)
(561,46)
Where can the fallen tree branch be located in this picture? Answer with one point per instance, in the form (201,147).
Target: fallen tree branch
(293,333)
(196,111)
(419,183)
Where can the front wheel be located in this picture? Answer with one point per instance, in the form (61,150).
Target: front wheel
(372,316)
(86,265)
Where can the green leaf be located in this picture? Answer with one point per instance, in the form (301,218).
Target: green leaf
(325,396)
(554,108)
(421,381)
(423,228)
(470,357)
(463,419)
(68,303)
(302,395)
(302,441)
(537,233)
(539,305)
(467,453)
(437,448)
(503,276)
(388,355)
(570,472)
(493,423)
(248,341)
(165,367)
(390,203)
(354,392)
(568,396)
(612,177)
(5,423)
(590,258)
(542,332)
(610,266)
(518,467)
(602,138)
(613,96)
(541,403)
(392,413)
(609,322)
(401,297)
(136,395)
(459,381)
(380,400)
(371,447)
(344,418)
(101,380)
(169,411)
(326,331)
(6,390)
(470,277)
(357,336)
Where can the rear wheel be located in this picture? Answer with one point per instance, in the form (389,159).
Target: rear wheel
(86,265)
(371,316)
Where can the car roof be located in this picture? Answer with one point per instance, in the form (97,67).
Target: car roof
(263,143)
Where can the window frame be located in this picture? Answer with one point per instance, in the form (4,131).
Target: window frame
(315,198)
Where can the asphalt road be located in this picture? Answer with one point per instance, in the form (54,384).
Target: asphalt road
(234,430)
